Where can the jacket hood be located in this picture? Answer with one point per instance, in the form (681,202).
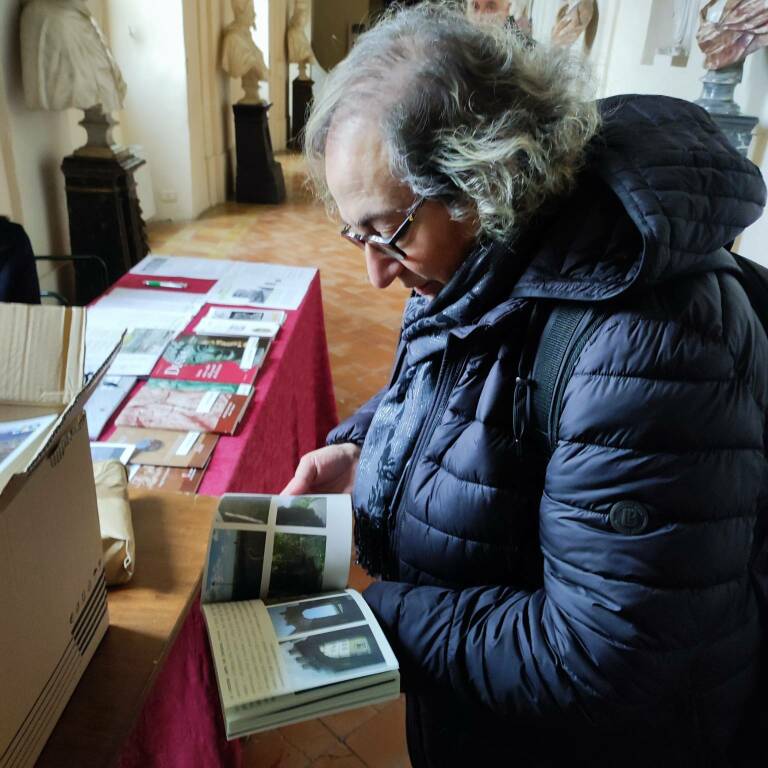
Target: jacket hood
(663,190)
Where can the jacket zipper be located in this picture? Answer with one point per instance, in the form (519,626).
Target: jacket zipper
(446,381)
(564,376)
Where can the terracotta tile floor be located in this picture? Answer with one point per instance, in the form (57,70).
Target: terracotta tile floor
(361,324)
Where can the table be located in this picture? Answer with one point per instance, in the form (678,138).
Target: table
(168,714)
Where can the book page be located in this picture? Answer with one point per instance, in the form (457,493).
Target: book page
(273,547)
(245,652)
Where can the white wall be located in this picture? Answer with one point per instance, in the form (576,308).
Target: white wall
(622,53)
(147,40)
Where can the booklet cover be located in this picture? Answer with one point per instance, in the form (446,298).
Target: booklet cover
(223,359)
(169,479)
(289,642)
(164,448)
(187,405)
(238,321)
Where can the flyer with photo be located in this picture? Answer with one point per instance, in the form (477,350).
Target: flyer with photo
(166,448)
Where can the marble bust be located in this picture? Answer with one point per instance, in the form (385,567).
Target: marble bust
(730,30)
(299,48)
(240,56)
(65,60)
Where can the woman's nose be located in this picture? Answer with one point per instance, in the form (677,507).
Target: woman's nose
(382,269)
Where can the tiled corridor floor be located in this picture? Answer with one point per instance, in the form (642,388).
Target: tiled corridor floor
(361,324)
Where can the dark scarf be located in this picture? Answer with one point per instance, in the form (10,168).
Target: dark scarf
(484,279)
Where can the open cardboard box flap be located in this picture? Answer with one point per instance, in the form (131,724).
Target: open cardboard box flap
(44,348)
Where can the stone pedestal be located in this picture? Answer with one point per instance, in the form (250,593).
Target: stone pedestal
(259,177)
(717,99)
(301,102)
(104,211)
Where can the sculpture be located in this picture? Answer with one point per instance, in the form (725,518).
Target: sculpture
(684,17)
(65,60)
(299,47)
(240,56)
(573,16)
(731,30)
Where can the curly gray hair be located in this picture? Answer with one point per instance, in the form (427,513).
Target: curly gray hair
(473,115)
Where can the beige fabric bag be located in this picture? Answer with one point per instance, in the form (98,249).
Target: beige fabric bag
(115,521)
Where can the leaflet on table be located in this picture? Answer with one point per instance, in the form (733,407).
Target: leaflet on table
(146,335)
(238,321)
(152,300)
(182,266)
(19,441)
(168,479)
(166,448)
(187,405)
(291,658)
(121,452)
(273,286)
(222,359)
(105,400)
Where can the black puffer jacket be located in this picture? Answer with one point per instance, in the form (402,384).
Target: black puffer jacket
(619,646)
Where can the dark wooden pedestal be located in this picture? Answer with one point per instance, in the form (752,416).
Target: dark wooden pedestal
(259,176)
(104,211)
(301,104)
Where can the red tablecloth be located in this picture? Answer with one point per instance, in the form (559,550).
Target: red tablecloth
(293,409)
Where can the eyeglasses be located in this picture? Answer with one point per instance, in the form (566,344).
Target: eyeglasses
(387,245)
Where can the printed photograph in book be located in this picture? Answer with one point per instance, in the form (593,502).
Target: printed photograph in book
(207,409)
(235,564)
(304,511)
(322,658)
(298,561)
(313,615)
(225,359)
(165,448)
(251,510)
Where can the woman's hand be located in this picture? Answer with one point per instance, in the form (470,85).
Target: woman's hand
(327,470)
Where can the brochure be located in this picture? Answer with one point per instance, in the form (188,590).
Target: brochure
(170,479)
(105,400)
(206,407)
(239,321)
(289,642)
(164,448)
(222,359)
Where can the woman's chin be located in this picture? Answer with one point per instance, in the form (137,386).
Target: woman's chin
(429,290)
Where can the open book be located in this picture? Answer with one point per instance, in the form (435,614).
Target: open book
(289,642)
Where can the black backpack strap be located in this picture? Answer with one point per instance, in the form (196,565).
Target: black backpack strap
(565,333)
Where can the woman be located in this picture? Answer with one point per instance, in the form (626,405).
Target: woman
(530,625)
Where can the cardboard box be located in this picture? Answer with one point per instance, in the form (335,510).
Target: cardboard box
(53,604)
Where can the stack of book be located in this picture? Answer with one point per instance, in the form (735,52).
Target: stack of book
(187,367)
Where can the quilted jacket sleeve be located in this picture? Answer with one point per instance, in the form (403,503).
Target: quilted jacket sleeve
(665,413)
(355,428)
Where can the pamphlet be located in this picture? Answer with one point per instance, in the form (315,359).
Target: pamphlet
(203,406)
(289,642)
(105,400)
(222,359)
(121,452)
(239,321)
(165,448)
(169,479)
